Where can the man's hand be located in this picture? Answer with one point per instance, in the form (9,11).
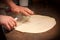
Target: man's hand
(24,10)
(18,9)
(7,21)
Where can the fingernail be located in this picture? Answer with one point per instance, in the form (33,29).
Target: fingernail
(32,12)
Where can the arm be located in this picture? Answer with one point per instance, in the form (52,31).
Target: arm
(10,3)
(18,9)
(7,21)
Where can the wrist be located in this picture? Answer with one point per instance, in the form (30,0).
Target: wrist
(10,3)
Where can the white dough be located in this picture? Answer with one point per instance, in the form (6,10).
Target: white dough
(37,24)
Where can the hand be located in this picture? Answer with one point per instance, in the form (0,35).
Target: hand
(24,10)
(7,21)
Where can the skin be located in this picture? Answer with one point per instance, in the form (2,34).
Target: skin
(18,9)
(7,21)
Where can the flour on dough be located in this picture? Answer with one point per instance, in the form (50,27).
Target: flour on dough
(37,24)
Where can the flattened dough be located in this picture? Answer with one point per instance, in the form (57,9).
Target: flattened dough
(37,24)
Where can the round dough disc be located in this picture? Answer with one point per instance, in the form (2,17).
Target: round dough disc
(37,24)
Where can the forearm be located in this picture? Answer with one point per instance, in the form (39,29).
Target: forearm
(10,3)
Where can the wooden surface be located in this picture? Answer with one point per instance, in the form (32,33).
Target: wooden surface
(49,35)
(40,9)
(16,35)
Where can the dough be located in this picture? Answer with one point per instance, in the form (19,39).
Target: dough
(36,24)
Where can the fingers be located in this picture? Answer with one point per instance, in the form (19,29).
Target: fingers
(7,26)
(14,22)
(29,11)
(10,24)
(26,11)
